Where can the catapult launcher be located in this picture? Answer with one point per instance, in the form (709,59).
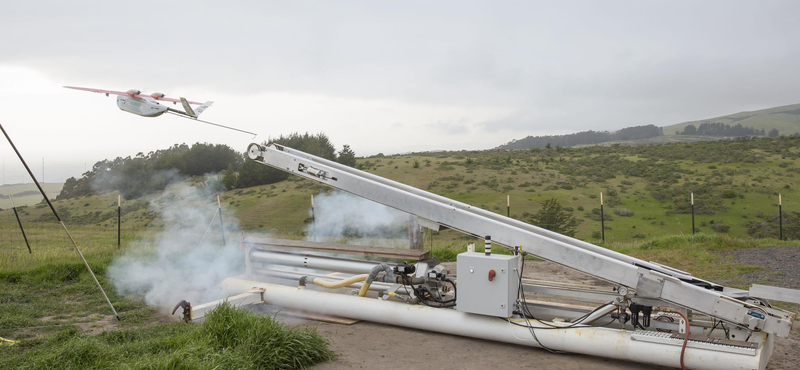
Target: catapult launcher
(655,314)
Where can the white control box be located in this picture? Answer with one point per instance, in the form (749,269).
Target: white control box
(487,285)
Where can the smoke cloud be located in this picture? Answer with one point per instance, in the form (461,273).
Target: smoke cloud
(340,216)
(174,264)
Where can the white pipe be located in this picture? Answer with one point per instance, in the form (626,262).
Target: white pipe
(295,276)
(311,262)
(601,312)
(602,342)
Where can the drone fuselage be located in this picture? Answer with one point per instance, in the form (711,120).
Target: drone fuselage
(143,106)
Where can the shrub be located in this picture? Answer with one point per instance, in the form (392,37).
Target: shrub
(624,212)
(552,216)
(720,228)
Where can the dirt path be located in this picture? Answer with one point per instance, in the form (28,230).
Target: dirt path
(367,345)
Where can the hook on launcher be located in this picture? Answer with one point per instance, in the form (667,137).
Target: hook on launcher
(187,310)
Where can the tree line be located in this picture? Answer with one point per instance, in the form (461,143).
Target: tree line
(585,138)
(252,173)
(148,173)
(723,130)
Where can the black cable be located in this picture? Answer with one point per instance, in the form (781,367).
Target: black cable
(183,115)
(526,311)
(420,292)
(713,327)
(524,307)
(453,283)
(670,319)
(727,331)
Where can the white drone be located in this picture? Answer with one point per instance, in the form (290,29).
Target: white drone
(133,101)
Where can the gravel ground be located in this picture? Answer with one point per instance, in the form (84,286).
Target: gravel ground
(780,266)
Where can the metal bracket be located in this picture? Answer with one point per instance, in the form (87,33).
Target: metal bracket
(187,310)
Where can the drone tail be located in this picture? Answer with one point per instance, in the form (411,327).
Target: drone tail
(202,108)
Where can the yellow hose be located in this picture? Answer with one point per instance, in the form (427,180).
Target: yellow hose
(7,342)
(341,283)
(363,291)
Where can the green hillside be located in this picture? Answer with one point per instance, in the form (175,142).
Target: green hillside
(646,189)
(786,119)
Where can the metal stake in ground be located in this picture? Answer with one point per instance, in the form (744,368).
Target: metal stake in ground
(60,221)
(119,221)
(602,220)
(780,217)
(313,219)
(692,213)
(20,224)
(221,224)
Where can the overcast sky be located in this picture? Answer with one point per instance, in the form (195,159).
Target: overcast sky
(382,76)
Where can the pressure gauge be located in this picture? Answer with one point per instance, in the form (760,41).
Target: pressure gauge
(623,291)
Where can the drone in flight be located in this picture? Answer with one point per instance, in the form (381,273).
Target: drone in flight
(133,101)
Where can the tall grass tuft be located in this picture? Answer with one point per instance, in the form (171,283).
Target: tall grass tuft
(267,342)
(230,338)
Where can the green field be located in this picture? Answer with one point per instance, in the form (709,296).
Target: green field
(646,189)
(26,194)
(736,183)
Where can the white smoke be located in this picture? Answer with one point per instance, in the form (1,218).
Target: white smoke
(175,265)
(343,217)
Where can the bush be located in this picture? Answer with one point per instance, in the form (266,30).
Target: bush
(720,228)
(624,212)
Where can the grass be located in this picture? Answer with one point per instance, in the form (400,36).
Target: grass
(699,254)
(229,338)
(49,301)
(756,171)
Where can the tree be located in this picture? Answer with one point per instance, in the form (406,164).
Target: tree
(347,156)
(552,216)
(690,130)
(230,178)
(253,173)
(145,174)
(773,133)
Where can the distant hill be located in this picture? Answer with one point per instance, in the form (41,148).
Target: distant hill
(26,194)
(584,138)
(785,119)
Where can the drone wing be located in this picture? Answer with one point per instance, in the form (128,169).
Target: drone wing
(99,91)
(132,93)
(158,96)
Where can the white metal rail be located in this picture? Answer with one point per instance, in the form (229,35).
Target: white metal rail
(649,280)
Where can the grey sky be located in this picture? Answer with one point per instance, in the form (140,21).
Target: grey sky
(384,76)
